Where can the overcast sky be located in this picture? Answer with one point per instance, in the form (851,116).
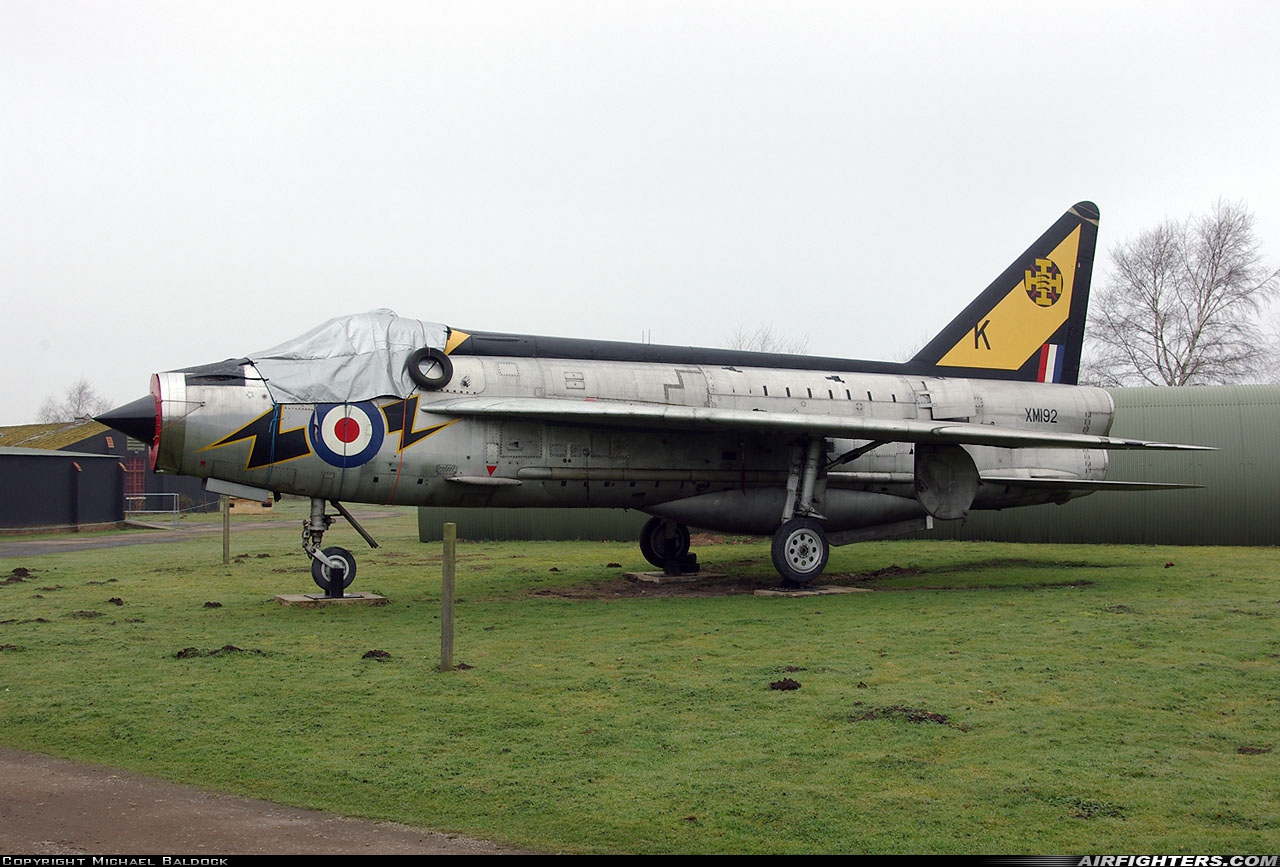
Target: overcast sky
(182,182)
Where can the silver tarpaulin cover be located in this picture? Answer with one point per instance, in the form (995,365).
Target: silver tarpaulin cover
(347,359)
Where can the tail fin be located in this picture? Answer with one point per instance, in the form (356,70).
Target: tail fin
(1029,324)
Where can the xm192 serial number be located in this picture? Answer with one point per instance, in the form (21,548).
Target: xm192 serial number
(1042,415)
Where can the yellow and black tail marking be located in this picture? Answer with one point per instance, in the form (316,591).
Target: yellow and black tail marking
(1029,323)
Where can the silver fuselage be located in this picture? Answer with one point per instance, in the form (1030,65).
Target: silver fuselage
(731,481)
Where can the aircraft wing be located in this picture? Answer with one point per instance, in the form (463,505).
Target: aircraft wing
(666,417)
(1034,483)
(1082,484)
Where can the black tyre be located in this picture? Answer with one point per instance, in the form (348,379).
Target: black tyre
(430,369)
(662,541)
(323,575)
(800,550)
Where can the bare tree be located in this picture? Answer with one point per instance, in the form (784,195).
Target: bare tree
(909,351)
(80,400)
(1182,305)
(763,338)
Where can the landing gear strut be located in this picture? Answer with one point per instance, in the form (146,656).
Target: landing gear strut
(800,546)
(333,569)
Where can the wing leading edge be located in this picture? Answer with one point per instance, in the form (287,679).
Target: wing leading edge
(1082,485)
(662,416)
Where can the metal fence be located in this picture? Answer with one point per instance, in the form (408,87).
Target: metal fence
(152,508)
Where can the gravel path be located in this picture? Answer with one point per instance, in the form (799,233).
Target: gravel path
(54,807)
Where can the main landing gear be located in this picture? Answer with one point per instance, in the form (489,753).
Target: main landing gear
(333,569)
(665,544)
(800,547)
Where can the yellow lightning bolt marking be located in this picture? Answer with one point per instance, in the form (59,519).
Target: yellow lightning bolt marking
(456,339)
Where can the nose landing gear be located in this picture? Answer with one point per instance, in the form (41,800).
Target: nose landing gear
(333,569)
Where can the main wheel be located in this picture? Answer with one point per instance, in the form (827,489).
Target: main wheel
(323,575)
(800,550)
(662,541)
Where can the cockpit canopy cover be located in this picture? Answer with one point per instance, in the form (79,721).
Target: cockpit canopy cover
(348,359)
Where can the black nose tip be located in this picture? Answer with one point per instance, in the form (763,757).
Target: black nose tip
(139,419)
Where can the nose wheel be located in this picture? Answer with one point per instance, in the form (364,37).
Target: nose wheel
(336,571)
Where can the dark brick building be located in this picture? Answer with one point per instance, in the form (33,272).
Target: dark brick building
(78,475)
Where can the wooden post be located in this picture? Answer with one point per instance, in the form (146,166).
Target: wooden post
(226,529)
(446,597)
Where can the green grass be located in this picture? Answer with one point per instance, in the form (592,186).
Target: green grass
(985,698)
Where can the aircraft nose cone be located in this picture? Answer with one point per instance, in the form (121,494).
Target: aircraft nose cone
(139,419)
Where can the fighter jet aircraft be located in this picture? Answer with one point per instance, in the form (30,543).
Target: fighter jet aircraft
(814,452)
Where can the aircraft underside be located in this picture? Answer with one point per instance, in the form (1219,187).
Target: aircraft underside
(808,493)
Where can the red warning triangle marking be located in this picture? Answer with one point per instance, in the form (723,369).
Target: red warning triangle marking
(491,468)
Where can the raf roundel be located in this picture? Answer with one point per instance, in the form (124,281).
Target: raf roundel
(346,434)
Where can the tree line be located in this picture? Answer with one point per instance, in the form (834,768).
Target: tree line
(1185,303)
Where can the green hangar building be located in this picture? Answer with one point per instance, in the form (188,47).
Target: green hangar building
(1238,503)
